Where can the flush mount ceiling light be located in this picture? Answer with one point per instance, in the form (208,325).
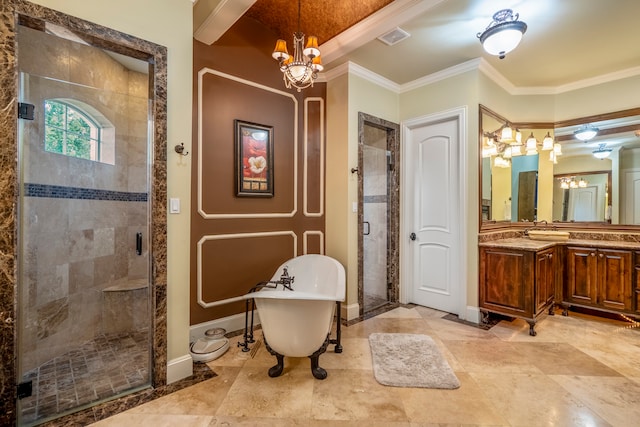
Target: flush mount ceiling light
(602,152)
(301,69)
(586,132)
(503,34)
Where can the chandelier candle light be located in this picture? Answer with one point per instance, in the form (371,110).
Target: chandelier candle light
(301,69)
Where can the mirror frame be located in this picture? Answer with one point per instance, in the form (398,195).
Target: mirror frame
(492,225)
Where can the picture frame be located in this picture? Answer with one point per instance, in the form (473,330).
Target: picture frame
(254,159)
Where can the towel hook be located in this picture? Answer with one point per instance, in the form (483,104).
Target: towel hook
(180,149)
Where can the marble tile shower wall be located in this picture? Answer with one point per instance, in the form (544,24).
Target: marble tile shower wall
(77,241)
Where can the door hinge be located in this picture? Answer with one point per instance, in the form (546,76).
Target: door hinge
(25,111)
(25,389)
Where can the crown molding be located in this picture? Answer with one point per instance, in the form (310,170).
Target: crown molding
(462,68)
(605,78)
(360,71)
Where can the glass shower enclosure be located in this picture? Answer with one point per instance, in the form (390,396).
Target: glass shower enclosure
(84,305)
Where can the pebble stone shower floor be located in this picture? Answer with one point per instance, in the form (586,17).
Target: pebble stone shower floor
(99,369)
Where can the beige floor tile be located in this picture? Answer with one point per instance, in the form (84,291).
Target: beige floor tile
(490,356)
(355,395)
(620,352)
(201,399)
(563,359)
(369,326)
(234,356)
(535,400)
(426,312)
(450,330)
(400,313)
(465,405)
(227,421)
(568,375)
(255,394)
(133,419)
(617,400)
(356,354)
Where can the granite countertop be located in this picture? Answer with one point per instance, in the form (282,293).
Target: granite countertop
(527,244)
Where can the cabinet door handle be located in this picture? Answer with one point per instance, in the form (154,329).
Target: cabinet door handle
(550,256)
(593,254)
(601,256)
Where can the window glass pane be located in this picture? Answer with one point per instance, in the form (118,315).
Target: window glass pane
(71,132)
(77,123)
(54,114)
(53,139)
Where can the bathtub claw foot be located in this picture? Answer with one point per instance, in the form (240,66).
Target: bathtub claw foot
(316,370)
(276,370)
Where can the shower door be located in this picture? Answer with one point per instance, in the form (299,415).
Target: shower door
(84,319)
(378,196)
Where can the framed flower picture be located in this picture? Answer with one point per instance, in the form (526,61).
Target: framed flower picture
(254,159)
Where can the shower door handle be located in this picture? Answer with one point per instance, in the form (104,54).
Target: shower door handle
(139,243)
(366,233)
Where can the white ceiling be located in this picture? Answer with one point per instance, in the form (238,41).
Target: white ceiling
(567,41)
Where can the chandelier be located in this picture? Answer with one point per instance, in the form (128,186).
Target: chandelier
(602,152)
(301,69)
(586,132)
(503,34)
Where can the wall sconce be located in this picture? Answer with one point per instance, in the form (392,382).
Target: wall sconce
(547,143)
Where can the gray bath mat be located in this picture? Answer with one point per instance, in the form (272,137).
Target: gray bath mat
(408,360)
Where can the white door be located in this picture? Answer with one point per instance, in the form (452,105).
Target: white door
(433,162)
(583,204)
(632,198)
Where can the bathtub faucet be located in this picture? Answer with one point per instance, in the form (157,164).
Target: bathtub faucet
(285,279)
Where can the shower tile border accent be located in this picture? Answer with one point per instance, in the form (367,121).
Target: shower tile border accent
(382,198)
(12,12)
(62,192)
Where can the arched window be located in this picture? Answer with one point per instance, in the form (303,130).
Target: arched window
(72,130)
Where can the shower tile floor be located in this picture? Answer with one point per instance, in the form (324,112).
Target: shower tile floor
(579,370)
(99,369)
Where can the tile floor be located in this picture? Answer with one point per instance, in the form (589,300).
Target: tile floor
(578,371)
(98,369)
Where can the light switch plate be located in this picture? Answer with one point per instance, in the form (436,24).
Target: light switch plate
(174,205)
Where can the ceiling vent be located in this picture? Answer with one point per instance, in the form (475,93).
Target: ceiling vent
(394,36)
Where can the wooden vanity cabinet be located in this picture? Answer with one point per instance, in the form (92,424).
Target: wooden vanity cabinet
(636,281)
(517,283)
(599,278)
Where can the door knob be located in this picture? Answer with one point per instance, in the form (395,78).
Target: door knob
(412,236)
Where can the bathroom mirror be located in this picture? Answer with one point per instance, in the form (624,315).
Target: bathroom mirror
(590,181)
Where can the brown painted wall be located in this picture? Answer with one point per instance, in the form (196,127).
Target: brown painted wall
(233,249)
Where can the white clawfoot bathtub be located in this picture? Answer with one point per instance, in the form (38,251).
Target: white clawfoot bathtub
(297,322)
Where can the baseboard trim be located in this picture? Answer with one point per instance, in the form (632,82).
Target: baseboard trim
(231,323)
(350,312)
(179,368)
(473,315)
